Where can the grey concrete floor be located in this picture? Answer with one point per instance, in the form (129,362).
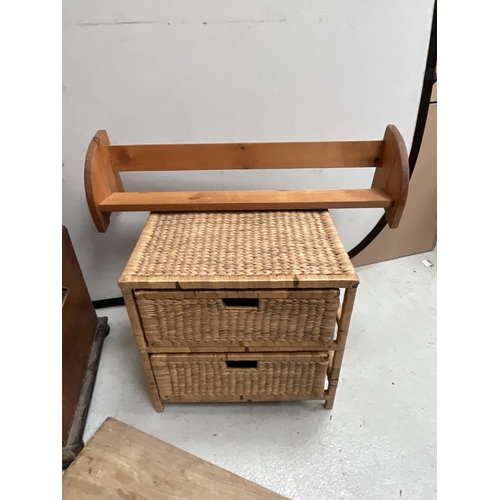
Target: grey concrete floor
(378,442)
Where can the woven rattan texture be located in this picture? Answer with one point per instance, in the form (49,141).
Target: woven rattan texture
(239,244)
(201,322)
(199,377)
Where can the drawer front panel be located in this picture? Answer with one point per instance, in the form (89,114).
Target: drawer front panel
(235,318)
(245,377)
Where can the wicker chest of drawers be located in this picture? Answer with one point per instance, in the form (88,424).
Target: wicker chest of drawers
(240,306)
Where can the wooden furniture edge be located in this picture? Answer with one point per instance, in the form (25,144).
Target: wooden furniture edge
(229,283)
(393,176)
(333,372)
(105,193)
(138,333)
(99,179)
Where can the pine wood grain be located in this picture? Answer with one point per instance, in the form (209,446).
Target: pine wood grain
(105,192)
(393,177)
(194,201)
(120,462)
(100,181)
(163,157)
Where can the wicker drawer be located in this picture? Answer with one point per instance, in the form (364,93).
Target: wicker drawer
(293,318)
(245,377)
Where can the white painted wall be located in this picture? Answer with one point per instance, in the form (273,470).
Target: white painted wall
(231,70)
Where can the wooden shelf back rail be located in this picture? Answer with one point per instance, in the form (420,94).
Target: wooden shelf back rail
(105,193)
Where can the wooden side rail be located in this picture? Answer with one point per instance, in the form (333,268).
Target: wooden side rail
(271,155)
(105,193)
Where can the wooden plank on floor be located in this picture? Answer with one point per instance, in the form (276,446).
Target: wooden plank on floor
(120,462)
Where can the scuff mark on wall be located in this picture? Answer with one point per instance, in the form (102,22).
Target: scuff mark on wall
(257,21)
(229,21)
(113,23)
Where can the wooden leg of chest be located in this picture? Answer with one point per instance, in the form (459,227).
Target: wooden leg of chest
(141,344)
(153,389)
(333,372)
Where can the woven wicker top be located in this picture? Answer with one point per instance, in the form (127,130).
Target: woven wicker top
(283,249)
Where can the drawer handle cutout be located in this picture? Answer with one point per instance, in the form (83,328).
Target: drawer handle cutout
(241,303)
(242,364)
